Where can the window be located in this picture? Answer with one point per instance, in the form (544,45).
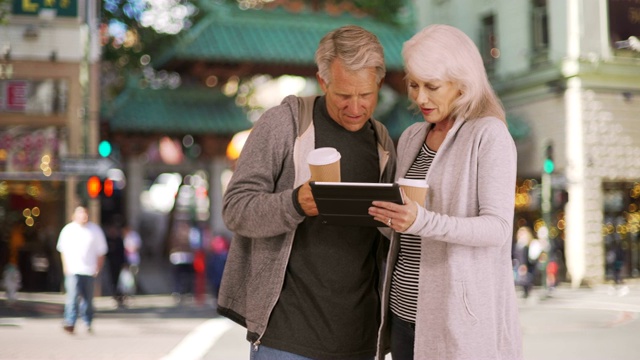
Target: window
(539,32)
(624,22)
(46,97)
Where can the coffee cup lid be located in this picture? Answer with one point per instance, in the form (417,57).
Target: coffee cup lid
(413,182)
(323,156)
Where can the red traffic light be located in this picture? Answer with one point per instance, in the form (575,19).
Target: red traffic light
(108,187)
(94,185)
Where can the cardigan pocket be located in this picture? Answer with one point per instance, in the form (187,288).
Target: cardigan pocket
(462,293)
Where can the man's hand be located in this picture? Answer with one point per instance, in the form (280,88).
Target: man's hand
(306,201)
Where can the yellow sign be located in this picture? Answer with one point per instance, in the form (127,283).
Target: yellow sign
(63,8)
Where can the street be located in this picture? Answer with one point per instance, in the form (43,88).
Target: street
(582,324)
(594,324)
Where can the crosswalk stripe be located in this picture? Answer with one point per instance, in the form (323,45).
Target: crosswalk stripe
(196,344)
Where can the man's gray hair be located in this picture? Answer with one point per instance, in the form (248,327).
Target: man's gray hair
(356,47)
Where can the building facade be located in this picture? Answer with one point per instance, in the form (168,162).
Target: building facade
(570,70)
(49,72)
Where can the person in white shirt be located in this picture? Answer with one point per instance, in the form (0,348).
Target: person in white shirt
(82,246)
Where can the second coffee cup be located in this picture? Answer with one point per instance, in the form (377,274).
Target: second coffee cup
(414,189)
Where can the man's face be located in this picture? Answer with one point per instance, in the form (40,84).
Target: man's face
(351,96)
(80,215)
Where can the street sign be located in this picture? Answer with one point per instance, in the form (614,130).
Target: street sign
(87,166)
(64,8)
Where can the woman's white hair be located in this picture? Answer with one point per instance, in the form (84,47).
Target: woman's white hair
(445,53)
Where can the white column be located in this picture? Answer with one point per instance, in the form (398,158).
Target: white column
(135,171)
(216,189)
(575,209)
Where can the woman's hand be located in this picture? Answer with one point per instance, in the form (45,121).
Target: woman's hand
(396,216)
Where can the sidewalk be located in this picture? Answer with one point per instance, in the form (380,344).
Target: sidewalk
(43,304)
(599,322)
(155,281)
(540,295)
(53,303)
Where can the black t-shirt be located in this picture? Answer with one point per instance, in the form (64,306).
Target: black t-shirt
(329,306)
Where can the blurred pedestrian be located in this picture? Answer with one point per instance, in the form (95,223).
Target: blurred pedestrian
(17,242)
(552,274)
(132,244)
(618,262)
(448,292)
(526,252)
(519,252)
(116,259)
(12,281)
(181,256)
(304,289)
(217,257)
(82,246)
(12,278)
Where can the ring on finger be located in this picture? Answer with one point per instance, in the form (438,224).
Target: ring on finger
(389,222)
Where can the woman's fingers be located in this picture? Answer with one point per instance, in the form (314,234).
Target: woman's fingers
(397,217)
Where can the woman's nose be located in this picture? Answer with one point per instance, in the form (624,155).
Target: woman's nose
(422,97)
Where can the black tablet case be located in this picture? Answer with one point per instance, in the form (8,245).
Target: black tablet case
(347,204)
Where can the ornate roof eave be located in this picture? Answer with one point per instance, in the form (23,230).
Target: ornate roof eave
(276,38)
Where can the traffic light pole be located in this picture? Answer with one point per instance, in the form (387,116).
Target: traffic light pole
(546,199)
(546,206)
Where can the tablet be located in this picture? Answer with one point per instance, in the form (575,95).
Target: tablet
(347,203)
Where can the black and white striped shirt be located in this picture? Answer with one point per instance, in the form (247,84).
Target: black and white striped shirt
(404,283)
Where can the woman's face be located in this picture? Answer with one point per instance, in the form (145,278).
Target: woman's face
(434,98)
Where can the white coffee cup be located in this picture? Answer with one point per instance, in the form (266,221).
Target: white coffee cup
(324,164)
(414,189)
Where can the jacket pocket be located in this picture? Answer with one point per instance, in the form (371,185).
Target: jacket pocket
(466,306)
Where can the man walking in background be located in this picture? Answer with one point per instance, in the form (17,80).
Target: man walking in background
(82,246)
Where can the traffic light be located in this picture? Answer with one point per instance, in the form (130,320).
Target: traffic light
(94,186)
(104,148)
(108,187)
(548,165)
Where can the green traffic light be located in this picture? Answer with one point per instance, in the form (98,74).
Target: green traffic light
(548,166)
(104,148)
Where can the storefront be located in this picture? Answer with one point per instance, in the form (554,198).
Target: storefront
(33,137)
(620,230)
(49,74)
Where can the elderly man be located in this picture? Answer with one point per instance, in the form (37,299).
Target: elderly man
(304,289)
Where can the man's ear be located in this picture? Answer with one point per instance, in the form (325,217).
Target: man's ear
(323,84)
(380,84)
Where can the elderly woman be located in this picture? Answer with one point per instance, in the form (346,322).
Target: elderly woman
(449,291)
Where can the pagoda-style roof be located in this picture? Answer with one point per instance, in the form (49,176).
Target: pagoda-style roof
(229,41)
(228,34)
(185,110)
